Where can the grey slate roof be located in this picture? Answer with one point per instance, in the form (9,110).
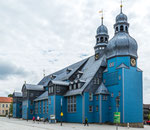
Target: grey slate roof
(122,65)
(102,89)
(42,97)
(17,94)
(33,87)
(58,82)
(62,74)
(89,70)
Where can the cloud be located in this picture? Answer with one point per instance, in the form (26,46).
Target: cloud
(8,69)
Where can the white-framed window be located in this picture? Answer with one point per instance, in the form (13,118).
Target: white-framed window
(51,89)
(90,96)
(71,104)
(104,97)
(79,85)
(70,87)
(90,108)
(96,108)
(58,89)
(74,86)
(94,80)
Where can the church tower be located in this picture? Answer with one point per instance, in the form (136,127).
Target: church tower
(122,77)
(101,40)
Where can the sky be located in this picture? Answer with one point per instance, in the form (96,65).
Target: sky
(37,35)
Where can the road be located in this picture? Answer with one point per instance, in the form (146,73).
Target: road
(19,124)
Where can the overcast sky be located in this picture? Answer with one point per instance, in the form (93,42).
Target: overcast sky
(51,34)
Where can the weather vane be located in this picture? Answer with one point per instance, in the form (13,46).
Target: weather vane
(121,5)
(101,12)
(44,72)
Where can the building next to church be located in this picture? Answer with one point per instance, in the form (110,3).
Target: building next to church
(89,87)
(5,103)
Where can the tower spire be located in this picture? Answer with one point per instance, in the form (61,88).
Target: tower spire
(101,16)
(121,7)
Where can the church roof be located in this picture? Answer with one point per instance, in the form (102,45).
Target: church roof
(102,89)
(42,97)
(89,70)
(63,74)
(17,94)
(33,87)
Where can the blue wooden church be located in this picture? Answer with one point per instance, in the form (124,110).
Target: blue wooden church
(89,88)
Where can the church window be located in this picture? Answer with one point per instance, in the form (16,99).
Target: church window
(101,39)
(97,98)
(71,104)
(74,86)
(90,108)
(51,89)
(126,29)
(70,86)
(121,28)
(112,94)
(116,29)
(91,97)
(36,107)
(106,39)
(47,105)
(79,85)
(43,106)
(119,93)
(94,81)
(100,48)
(98,39)
(49,100)
(58,89)
(40,107)
(104,97)
(96,108)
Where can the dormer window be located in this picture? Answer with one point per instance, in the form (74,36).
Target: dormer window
(121,28)
(53,77)
(68,70)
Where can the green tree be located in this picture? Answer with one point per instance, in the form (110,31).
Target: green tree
(10,95)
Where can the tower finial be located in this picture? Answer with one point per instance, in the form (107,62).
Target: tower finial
(101,16)
(44,72)
(121,6)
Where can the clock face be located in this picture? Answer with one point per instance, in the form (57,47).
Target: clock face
(96,56)
(133,62)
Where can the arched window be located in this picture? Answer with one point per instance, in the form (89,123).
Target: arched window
(126,29)
(106,39)
(116,29)
(121,28)
(102,39)
(98,39)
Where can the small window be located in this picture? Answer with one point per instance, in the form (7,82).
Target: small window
(58,89)
(97,98)
(90,108)
(112,94)
(70,87)
(126,29)
(116,29)
(96,108)
(49,100)
(119,93)
(6,105)
(91,97)
(104,97)
(94,81)
(79,85)
(74,86)
(102,39)
(106,39)
(98,39)
(121,28)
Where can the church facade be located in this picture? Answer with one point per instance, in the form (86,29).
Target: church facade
(89,88)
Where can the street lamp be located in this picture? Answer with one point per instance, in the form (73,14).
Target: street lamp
(61,114)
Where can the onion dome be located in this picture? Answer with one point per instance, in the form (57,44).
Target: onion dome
(102,29)
(122,44)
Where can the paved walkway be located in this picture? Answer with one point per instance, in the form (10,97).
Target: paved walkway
(19,124)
